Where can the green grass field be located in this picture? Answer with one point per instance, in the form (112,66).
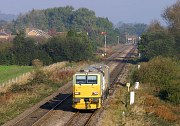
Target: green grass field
(9,72)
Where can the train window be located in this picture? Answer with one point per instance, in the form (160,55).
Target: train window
(80,79)
(92,79)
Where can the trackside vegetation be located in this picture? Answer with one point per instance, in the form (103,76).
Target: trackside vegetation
(162,41)
(158,98)
(160,46)
(73,47)
(162,74)
(18,98)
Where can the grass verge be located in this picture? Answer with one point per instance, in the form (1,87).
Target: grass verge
(148,110)
(9,72)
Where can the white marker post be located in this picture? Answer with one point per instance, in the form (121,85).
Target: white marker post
(132,95)
(128,85)
(136,85)
(139,66)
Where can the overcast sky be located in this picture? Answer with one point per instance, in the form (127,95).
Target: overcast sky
(128,11)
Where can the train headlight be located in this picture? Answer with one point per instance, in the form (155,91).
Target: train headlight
(94,93)
(77,93)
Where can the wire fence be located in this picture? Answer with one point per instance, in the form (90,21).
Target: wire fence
(18,80)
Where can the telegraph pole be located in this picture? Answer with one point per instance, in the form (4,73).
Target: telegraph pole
(105,44)
(126,37)
(104,33)
(118,39)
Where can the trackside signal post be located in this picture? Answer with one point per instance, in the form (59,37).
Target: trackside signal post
(104,33)
(105,44)
(118,39)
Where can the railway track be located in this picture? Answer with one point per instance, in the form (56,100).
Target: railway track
(78,119)
(118,70)
(39,114)
(81,118)
(38,122)
(63,102)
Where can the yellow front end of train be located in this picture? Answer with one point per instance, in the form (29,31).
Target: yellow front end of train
(87,91)
(90,87)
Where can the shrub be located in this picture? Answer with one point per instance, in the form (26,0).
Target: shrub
(150,101)
(174,94)
(163,74)
(63,75)
(153,105)
(41,77)
(37,63)
(165,113)
(17,88)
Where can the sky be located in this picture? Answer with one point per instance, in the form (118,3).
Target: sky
(127,11)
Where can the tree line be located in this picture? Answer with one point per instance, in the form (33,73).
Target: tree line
(62,19)
(83,36)
(130,29)
(73,47)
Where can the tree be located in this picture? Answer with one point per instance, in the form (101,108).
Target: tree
(75,47)
(159,47)
(23,52)
(155,43)
(54,48)
(62,19)
(155,26)
(24,49)
(172,16)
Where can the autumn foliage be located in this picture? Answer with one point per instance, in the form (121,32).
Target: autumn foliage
(154,105)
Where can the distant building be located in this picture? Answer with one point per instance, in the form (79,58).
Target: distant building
(132,39)
(4,35)
(33,32)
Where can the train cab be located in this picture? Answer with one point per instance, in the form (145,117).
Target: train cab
(88,88)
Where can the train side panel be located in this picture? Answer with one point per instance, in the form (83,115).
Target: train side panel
(106,81)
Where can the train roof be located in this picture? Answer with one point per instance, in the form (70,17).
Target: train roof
(94,68)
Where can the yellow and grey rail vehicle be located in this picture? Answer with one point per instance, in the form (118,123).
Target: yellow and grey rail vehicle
(90,87)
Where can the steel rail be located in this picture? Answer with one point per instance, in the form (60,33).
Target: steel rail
(72,118)
(51,110)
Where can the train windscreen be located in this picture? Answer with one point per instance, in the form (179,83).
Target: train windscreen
(80,79)
(92,79)
(86,79)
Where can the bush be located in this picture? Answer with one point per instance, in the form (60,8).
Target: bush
(165,113)
(153,105)
(174,94)
(37,63)
(21,88)
(163,74)
(41,77)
